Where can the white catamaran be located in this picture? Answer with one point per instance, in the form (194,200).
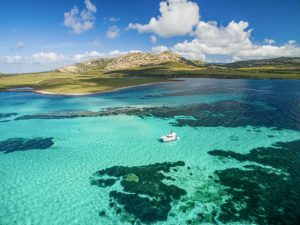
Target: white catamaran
(171,136)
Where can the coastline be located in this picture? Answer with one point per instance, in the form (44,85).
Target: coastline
(98,92)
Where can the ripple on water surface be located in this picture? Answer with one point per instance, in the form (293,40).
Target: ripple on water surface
(236,161)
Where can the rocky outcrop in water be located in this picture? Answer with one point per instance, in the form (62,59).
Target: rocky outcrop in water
(6,115)
(144,194)
(222,113)
(23,144)
(266,192)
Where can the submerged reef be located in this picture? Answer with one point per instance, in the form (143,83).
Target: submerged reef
(6,115)
(144,196)
(223,113)
(267,190)
(4,121)
(23,144)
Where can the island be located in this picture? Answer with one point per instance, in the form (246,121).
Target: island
(140,68)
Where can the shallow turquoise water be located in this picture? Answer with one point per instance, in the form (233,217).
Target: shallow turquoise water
(52,186)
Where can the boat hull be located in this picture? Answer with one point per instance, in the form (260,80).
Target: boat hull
(168,139)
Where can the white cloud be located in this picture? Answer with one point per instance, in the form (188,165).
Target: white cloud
(96,43)
(188,51)
(223,40)
(153,39)
(210,40)
(47,57)
(289,49)
(116,53)
(135,51)
(16,47)
(113,32)
(90,6)
(43,61)
(12,59)
(52,57)
(178,17)
(213,40)
(59,45)
(269,41)
(20,45)
(37,58)
(86,56)
(233,41)
(113,19)
(291,42)
(159,49)
(81,21)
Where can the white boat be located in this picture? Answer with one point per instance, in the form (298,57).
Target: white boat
(171,136)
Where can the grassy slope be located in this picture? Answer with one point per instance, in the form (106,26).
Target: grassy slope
(279,67)
(67,83)
(210,71)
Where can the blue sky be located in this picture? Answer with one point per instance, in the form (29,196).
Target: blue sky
(41,35)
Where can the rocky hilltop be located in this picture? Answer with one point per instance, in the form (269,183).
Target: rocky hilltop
(142,59)
(95,64)
(130,60)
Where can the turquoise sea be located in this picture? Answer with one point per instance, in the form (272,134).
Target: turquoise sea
(97,159)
